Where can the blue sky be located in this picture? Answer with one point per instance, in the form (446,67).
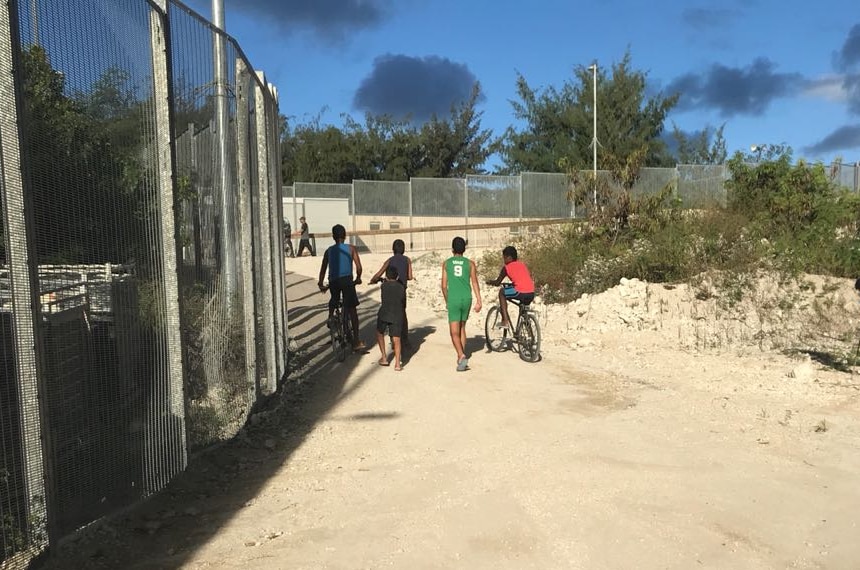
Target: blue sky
(772,71)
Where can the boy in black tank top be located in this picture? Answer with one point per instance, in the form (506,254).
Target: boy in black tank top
(403,265)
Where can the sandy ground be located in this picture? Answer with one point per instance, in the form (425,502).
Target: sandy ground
(658,431)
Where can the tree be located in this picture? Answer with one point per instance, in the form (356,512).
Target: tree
(699,148)
(385,148)
(457,146)
(86,206)
(559,121)
(312,152)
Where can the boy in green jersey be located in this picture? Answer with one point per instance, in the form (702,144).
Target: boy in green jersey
(459,281)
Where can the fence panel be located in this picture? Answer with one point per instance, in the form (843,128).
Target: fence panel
(545,195)
(217,390)
(846,175)
(702,185)
(381,198)
(23,521)
(493,196)
(438,197)
(91,146)
(125,291)
(652,181)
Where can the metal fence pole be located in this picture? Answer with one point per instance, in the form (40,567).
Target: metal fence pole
(466,207)
(20,256)
(268,384)
(857,177)
(167,212)
(278,287)
(411,221)
(520,197)
(246,220)
(295,223)
(352,207)
(222,180)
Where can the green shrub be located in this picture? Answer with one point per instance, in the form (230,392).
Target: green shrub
(780,216)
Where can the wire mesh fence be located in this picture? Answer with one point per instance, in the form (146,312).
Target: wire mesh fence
(463,204)
(141,305)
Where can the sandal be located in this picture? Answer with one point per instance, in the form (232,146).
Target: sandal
(382,362)
(398,367)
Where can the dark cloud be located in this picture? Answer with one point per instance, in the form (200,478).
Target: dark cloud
(849,56)
(332,20)
(851,86)
(418,87)
(708,18)
(843,138)
(734,90)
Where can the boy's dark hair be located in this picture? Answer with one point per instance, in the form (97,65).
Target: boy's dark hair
(510,251)
(398,247)
(458,245)
(338,232)
(391,272)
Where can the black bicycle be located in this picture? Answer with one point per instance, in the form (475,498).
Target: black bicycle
(340,330)
(525,337)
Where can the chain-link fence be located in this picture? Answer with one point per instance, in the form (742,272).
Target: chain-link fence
(141,287)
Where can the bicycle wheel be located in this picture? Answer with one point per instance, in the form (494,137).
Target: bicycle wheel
(348,333)
(338,344)
(528,338)
(496,339)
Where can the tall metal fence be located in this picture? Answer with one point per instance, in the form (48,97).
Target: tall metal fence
(530,195)
(142,304)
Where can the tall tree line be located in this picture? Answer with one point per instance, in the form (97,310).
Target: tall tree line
(554,134)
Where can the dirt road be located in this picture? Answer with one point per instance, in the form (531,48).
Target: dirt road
(625,455)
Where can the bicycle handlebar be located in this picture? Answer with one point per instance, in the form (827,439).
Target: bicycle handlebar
(326,287)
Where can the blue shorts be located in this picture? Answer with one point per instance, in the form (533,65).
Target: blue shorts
(512,293)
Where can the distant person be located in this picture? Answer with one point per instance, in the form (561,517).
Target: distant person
(338,260)
(521,287)
(390,316)
(459,283)
(305,239)
(288,238)
(403,265)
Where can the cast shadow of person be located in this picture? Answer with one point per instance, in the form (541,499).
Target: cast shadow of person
(475,344)
(417,337)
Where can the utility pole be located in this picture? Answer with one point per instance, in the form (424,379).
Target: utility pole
(223,180)
(593,68)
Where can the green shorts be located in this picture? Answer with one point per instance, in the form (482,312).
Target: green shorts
(458,309)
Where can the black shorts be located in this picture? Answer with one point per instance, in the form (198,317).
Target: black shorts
(346,286)
(395,329)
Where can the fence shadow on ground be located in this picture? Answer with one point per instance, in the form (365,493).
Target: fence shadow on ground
(169,528)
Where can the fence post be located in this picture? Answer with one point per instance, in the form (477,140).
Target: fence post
(278,286)
(352,207)
(168,208)
(411,221)
(295,223)
(857,177)
(268,384)
(466,206)
(21,259)
(520,197)
(246,228)
(222,178)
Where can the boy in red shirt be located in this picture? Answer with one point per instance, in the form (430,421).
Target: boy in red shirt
(521,288)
